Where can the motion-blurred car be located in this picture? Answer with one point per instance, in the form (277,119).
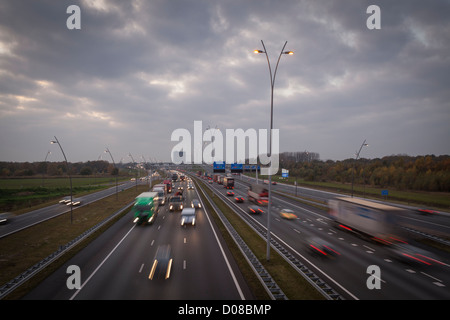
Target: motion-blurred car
(188,216)
(65,200)
(196,204)
(230,193)
(190,186)
(410,254)
(255,209)
(287,214)
(322,248)
(239,199)
(426,212)
(75,202)
(162,264)
(6,217)
(176,203)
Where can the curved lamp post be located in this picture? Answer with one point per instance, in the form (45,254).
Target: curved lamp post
(117,173)
(364,144)
(272,84)
(136,167)
(45,162)
(70,178)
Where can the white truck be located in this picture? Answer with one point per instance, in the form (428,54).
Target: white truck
(378,221)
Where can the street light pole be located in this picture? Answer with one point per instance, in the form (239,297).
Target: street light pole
(135,164)
(272,85)
(117,173)
(70,178)
(45,165)
(364,144)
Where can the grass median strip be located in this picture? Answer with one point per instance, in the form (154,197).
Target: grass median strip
(23,249)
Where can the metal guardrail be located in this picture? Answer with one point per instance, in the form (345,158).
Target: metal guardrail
(429,236)
(266,280)
(33,270)
(303,270)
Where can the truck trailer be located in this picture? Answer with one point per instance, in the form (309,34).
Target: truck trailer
(228,182)
(376,220)
(259,194)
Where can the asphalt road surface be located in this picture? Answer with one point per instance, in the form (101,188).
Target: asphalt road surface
(346,272)
(118,263)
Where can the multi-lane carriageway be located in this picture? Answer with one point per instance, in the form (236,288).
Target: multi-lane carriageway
(117,264)
(347,272)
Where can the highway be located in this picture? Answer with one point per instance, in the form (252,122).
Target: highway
(117,264)
(347,271)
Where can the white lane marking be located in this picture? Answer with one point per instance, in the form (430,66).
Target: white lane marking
(104,260)
(236,283)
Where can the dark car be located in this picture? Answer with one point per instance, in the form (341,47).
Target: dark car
(426,212)
(255,210)
(239,199)
(196,204)
(321,248)
(230,193)
(162,264)
(413,255)
(176,203)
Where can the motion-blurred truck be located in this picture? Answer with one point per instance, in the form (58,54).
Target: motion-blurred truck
(378,221)
(168,183)
(161,195)
(145,208)
(228,182)
(259,194)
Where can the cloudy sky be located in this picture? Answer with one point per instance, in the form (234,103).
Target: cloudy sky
(138,70)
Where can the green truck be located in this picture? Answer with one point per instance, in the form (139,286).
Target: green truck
(145,208)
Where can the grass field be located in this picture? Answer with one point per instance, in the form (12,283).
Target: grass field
(21,193)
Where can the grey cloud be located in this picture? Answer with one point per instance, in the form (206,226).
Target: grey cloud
(137,70)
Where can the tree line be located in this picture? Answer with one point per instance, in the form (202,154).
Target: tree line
(29,169)
(402,172)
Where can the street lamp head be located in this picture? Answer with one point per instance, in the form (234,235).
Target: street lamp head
(289,52)
(53,142)
(258,51)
